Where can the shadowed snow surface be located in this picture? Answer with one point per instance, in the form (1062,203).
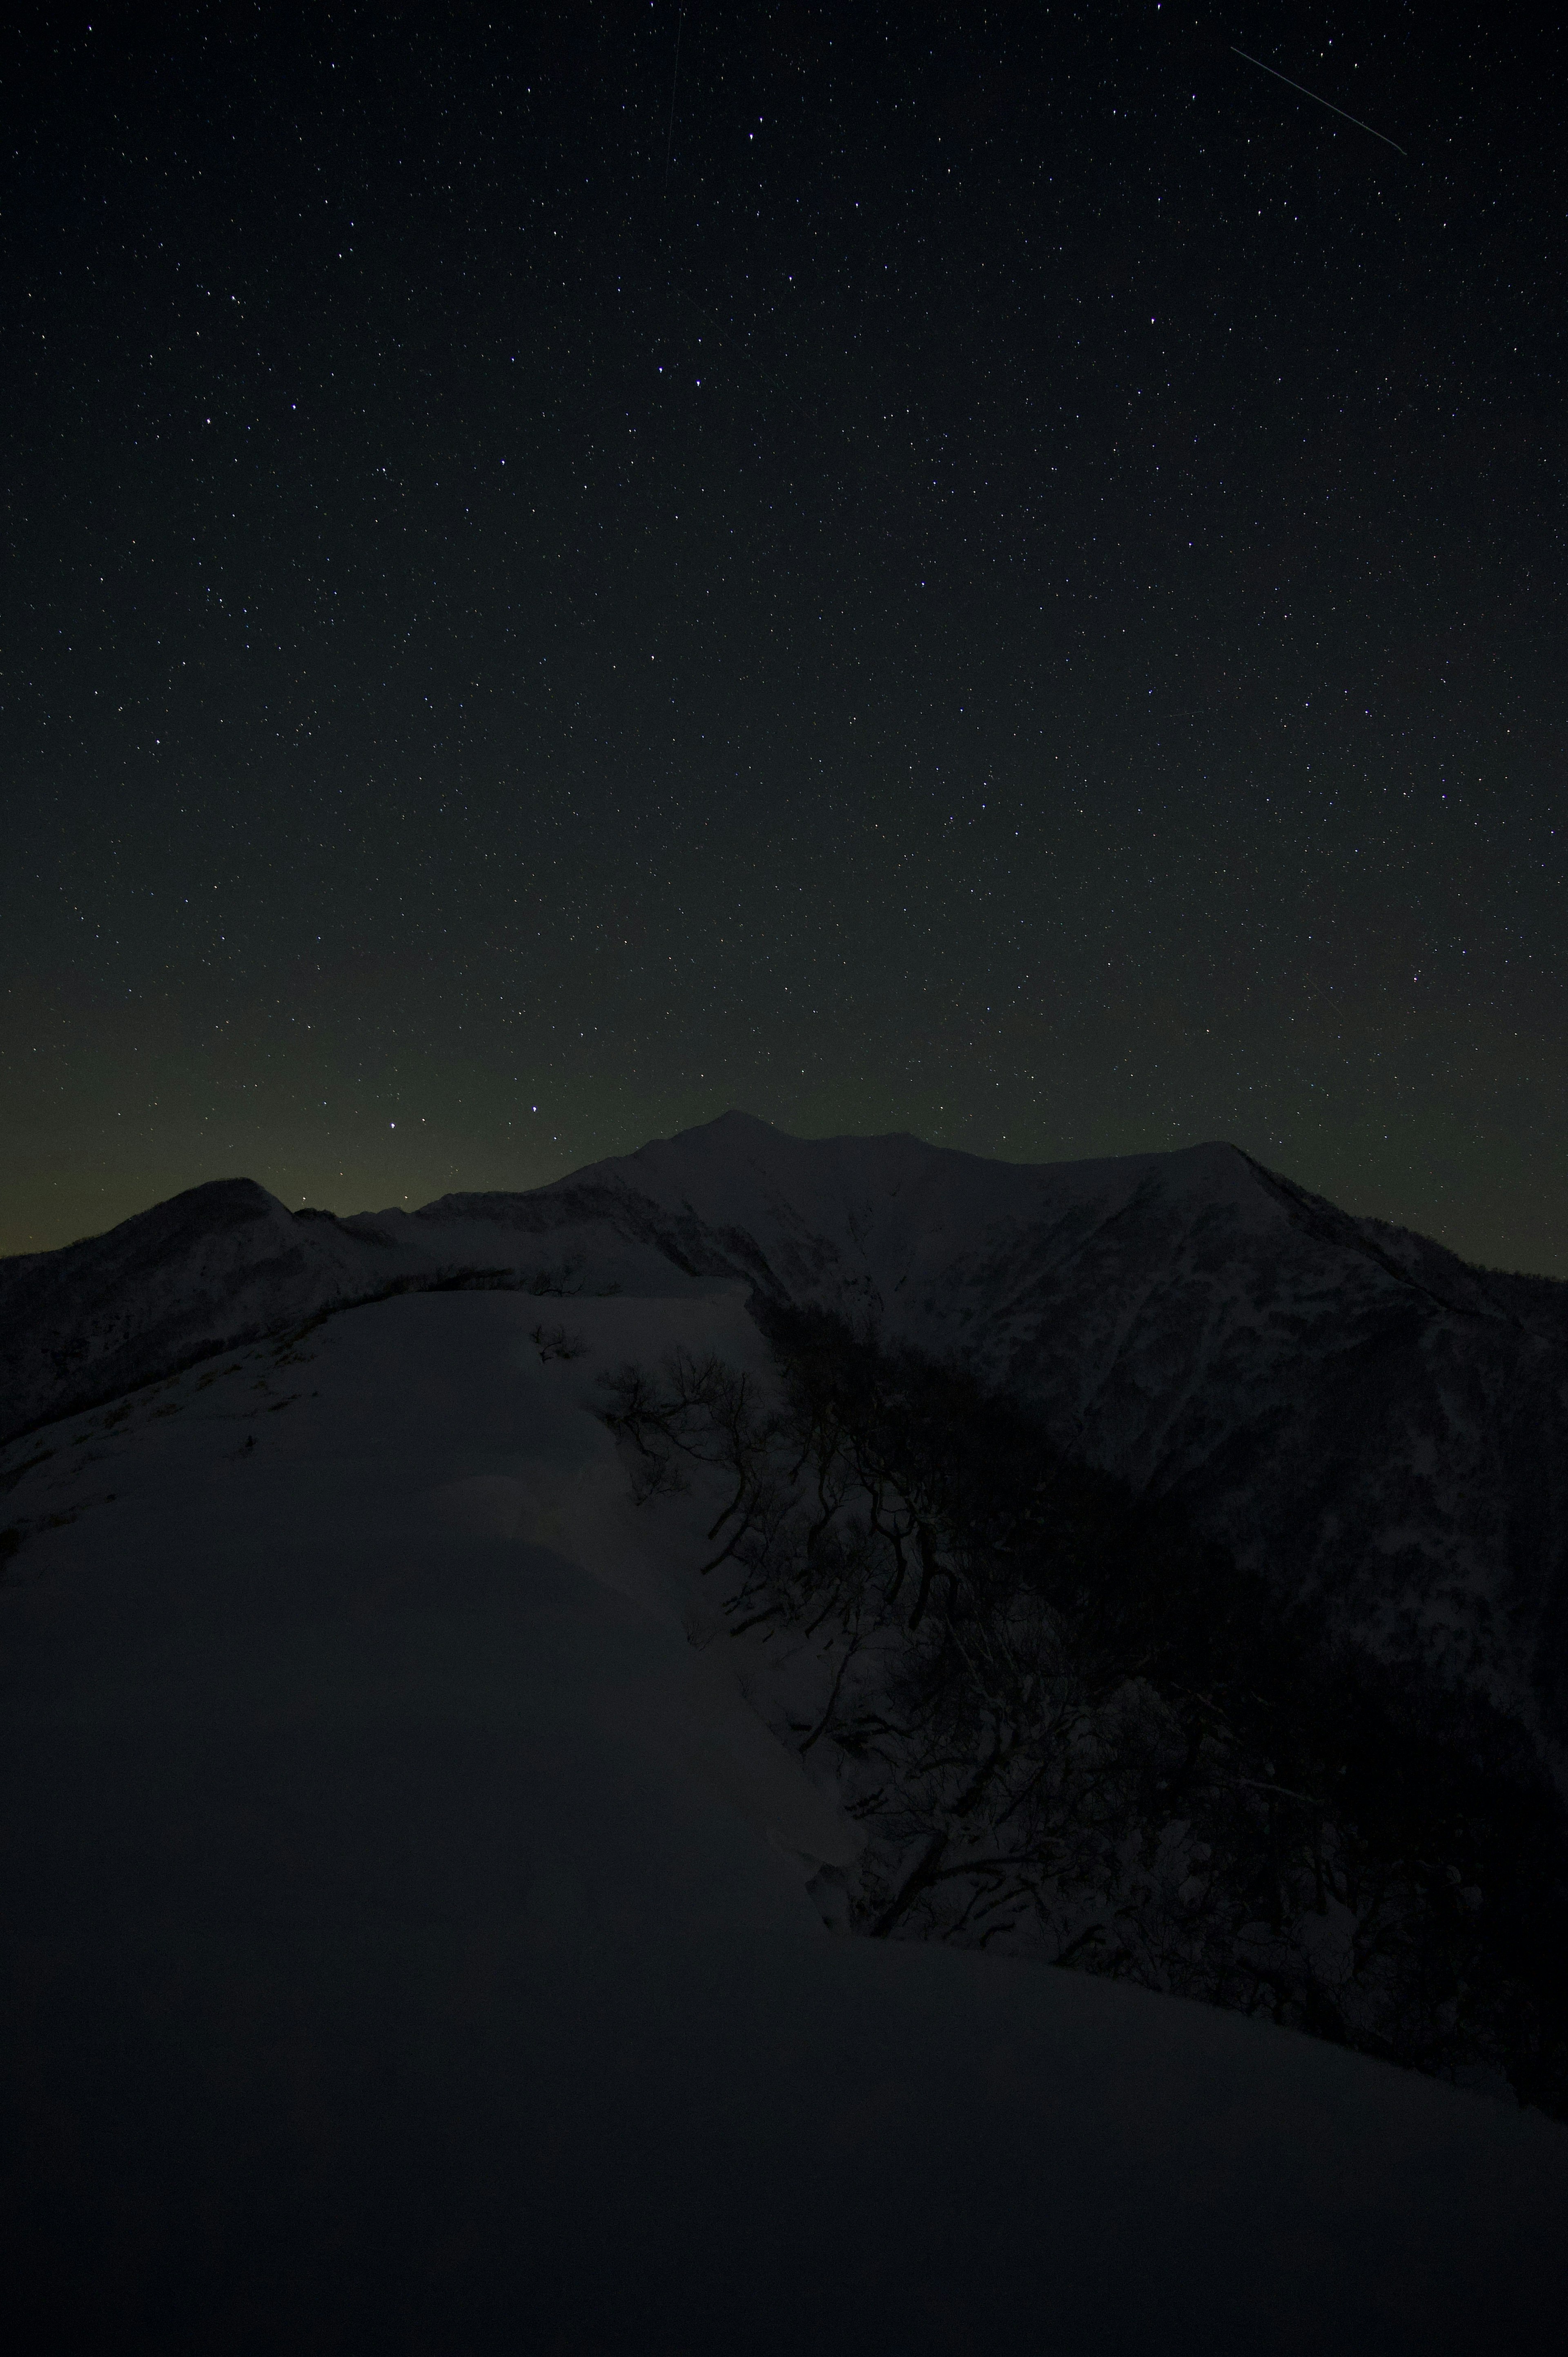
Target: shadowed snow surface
(408,1946)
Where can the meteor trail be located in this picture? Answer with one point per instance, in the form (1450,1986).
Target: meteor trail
(1328,102)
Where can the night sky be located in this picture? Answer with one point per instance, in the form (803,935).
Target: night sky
(989,571)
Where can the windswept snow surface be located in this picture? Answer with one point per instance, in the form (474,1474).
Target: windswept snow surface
(1356,1412)
(408,1945)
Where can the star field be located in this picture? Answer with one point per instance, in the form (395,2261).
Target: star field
(990,571)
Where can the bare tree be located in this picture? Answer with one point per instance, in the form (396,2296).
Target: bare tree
(1067,1729)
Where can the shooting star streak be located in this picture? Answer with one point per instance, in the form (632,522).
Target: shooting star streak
(1328,102)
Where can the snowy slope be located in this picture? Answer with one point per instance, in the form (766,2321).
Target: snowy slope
(408,1949)
(1353,1409)
(226,1263)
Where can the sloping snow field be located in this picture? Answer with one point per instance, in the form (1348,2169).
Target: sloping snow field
(408,1947)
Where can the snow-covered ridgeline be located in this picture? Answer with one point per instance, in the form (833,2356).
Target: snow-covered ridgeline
(1356,1410)
(408,1943)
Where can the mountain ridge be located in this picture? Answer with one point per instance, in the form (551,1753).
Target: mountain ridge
(1347,1406)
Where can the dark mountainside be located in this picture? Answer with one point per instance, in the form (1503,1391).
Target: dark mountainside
(1362,1417)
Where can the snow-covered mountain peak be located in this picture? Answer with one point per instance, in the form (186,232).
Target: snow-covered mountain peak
(740,1168)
